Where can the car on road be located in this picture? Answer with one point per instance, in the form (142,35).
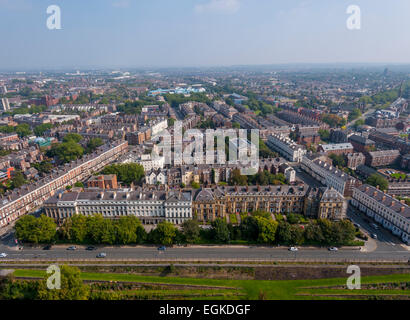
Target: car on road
(367,220)
(91,248)
(293,249)
(72,248)
(162,248)
(375,226)
(374,236)
(101,255)
(3,255)
(356,225)
(333,249)
(47,247)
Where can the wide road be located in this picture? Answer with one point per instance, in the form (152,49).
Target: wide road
(245,253)
(385,248)
(398,253)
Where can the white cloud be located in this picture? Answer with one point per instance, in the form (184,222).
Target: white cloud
(121,4)
(219,6)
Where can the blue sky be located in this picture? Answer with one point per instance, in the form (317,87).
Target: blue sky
(150,33)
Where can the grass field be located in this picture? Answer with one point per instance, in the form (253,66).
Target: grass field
(395,287)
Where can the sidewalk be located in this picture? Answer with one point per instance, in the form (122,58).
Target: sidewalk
(406,247)
(369,246)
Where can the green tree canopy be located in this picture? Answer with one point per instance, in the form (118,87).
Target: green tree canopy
(23,130)
(73,137)
(35,230)
(164,233)
(220,231)
(191,230)
(127,173)
(377,180)
(93,144)
(40,129)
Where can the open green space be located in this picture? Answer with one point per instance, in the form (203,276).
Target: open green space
(397,285)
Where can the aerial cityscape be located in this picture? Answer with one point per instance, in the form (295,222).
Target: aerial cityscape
(162,178)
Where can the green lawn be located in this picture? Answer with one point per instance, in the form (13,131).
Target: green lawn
(252,289)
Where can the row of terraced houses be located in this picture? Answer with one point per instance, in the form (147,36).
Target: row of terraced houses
(31,196)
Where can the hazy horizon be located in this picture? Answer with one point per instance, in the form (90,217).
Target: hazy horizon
(109,34)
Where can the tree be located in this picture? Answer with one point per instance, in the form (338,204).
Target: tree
(164,233)
(128,230)
(191,230)
(267,230)
(250,228)
(333,120)
(93,144)
(195,185)
(359,123)
(220,231)
(74,229)
(237,179)
(35,230)
(377,180)
(44,166)
(324,134)
(343,232)
(354,114)
(40,129)
(18,180)
(290,234)
(293,218)
(79,184)
(338,160)
(127,173)
(313,234)
(72,287)
(75,137)
(95,228)
(261,213)
(67,151)
(23,130)
(7,129)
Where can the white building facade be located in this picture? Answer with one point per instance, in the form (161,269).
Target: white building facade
(286,147)
(384,209)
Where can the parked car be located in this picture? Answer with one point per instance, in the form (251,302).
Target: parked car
(47,247)
(101,255)
(72,248)
(375,226)
(90,248)
(162,248)
(3,255)
(356,225)
(333,249)
(293,249)
(374,236)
